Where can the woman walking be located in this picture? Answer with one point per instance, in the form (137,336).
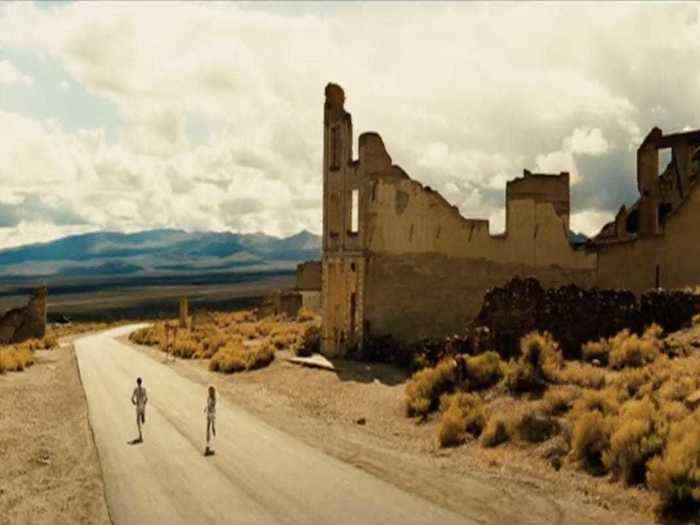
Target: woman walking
(210,410)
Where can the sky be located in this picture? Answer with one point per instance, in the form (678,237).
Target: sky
(128,116)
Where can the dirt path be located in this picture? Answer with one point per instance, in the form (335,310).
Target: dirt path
(327,410)
(49,472)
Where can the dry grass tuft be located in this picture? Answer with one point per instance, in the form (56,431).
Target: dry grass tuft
(15,358)
(423,391)
(495,432)
(310,342)
(558,400)
(483,370)
(675,474)
(223,334)
(539,362)
(237,357)
(461,414)
(696,320)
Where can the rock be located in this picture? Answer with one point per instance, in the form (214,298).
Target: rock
(361,421)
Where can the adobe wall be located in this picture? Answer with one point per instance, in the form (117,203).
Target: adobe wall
(27,322)
(419,296)
(676,252)
(409,264)
(309,276)
(404,217)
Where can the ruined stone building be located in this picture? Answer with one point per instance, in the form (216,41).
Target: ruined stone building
(27,322)
(398,259)
(656,242)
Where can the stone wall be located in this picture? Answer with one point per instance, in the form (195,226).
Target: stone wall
(309,276)
(399,259)
(424,296)
(575,315)
(671,259)
(27,322)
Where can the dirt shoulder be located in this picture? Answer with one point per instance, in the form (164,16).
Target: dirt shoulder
(50,471)
(355,415)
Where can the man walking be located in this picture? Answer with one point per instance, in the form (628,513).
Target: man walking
(139,399)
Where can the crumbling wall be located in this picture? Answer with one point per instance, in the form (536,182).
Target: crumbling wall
(309,276)
(27,322)
(413,297)
(669,260)
(399,259)
(575,315)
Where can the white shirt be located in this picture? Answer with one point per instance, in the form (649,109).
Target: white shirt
(139,397)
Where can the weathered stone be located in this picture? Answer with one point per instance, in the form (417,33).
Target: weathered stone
(27,322)
(576,315)
(399,260)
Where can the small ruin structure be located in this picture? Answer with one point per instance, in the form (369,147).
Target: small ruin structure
(655,243)
(305,294)
(27,322)
(184,313)
(399,260)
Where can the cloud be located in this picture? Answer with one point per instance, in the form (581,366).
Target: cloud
(586,141)
(11,76)
(465,96)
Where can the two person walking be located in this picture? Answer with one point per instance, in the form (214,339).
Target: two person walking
(139,399)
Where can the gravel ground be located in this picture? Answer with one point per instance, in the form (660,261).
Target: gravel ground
(49,471)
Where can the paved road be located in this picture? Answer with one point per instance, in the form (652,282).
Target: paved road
(259,474)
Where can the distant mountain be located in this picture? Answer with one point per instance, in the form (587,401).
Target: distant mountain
(105,253)
(577,238)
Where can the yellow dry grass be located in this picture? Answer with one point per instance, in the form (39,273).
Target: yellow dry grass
(636,416)
(232,340)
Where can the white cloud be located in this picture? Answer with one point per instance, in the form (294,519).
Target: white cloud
(586,141)
(465,96)
(64,85)
(11,76)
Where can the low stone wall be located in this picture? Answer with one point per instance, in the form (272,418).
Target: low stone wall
(27,322)
(575,315)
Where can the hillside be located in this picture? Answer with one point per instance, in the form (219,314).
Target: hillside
(156,251)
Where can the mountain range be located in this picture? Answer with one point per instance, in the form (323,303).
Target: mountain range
(157,251)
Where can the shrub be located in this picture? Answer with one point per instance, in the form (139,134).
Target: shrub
(236,357)
(631,350)
(461,413)
(696,320)
(284,340)
(558,400)
(539,362)
(49,342)
(675,475)
(4,361)
(580,374)
(638,433)
(304,315)
(15,358)
(185,346)
(213,341)
(592,416)
(424,389)
(589,440)
(495,432)
(483,370)
(148,336)
(310,342)
(599,350)
(534,427)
